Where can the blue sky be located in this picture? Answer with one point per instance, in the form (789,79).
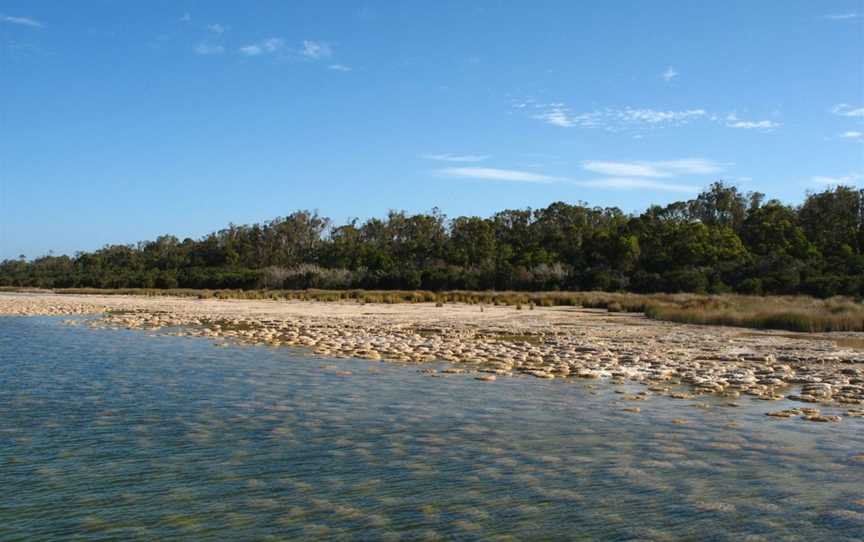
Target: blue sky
(125,120)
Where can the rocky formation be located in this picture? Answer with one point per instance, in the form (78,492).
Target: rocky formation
(547,344)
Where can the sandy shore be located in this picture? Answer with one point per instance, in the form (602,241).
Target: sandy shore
(492,342)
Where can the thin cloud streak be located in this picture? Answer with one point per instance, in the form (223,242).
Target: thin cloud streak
(493,174)
(657,169)
(732,121)
(846,110)
(623,169)
(753,125)
(843,16)
(612,183)
(22,21)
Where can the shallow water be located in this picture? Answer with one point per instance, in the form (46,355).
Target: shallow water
(114,434)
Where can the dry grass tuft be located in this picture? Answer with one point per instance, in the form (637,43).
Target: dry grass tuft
(792,313)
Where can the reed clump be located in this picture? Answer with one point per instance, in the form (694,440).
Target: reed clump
(791,313)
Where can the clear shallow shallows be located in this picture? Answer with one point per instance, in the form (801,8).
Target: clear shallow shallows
(115,434)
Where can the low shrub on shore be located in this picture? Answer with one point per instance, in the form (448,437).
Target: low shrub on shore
(792,313)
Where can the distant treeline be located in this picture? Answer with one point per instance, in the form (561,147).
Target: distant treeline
(721,241)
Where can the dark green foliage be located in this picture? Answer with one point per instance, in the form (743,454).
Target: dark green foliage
(721,241)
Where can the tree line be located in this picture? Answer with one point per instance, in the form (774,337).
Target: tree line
(722,241)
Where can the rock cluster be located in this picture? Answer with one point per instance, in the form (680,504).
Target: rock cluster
(575,345)
(809,414)
(545,354)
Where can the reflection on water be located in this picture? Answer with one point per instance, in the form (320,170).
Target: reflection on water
(125,435)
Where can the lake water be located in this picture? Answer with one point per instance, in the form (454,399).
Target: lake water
(125,435)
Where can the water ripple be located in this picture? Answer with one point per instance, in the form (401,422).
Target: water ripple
(117,435)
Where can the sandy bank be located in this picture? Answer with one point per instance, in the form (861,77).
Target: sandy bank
(492,342)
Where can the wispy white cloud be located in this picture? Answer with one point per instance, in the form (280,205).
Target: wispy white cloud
(23,21)
(843,16)
(308,50)
(625,183)
(493,174)
(216,28)
(845,179)
(670,74)
(268,46)
(641,181)
(633,118)
(653,116)
(623,169)
(753,125)
(315,50)
(644,175)
(846,110)
(447,157)
(205,48)
(732,121)
(852,135)
(656,169)
(557,116)
(339,67)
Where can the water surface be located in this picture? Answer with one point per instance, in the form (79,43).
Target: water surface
(115,434)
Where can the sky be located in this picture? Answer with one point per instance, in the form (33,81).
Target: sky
(122,121)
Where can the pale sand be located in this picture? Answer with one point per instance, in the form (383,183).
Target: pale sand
(407,313)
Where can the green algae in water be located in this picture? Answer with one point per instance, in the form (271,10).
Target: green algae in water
(110,434)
